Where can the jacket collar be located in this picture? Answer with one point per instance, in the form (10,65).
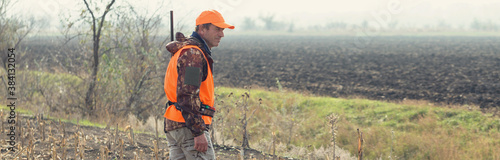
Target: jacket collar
(204,46)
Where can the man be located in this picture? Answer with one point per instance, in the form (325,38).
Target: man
(189,88)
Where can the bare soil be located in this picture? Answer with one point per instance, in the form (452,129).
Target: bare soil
(448,70)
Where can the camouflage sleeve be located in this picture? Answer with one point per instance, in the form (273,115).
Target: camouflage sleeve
(190,66)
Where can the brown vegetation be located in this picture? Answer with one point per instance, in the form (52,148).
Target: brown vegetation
(73,141)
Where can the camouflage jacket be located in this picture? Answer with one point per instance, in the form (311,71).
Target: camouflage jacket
(188,95)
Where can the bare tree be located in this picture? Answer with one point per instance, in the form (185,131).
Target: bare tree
(13,30)
(249,24)
(144,26)
(138,42)
(123,65)
(269,22)
(97,25)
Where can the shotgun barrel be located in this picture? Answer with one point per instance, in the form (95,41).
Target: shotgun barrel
(171,25)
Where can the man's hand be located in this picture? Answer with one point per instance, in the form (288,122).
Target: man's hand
(200,143)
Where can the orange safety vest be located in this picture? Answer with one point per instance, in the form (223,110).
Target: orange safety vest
(170,86)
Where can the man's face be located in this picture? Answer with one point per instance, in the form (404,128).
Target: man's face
(212,35)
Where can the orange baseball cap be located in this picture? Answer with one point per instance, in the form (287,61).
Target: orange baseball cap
(214,17)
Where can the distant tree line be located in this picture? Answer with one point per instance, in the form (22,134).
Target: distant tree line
(271,23)
(484,25)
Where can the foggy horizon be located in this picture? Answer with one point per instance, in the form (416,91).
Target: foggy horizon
(301,15)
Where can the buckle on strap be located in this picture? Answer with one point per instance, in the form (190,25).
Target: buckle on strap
(205,110)
(169,103)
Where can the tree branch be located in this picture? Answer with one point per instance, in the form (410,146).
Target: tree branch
(93,17)
(108,7)
(22,36)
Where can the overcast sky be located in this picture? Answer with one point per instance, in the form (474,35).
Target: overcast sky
(303,13)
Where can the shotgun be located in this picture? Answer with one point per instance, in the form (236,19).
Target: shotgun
(171,25)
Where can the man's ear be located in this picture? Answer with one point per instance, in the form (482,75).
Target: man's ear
(203,28)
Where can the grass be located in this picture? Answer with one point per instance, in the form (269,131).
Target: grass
(18,110)
(82,122)
(421,130)
(46,78)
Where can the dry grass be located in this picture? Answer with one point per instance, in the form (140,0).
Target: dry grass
(400,130)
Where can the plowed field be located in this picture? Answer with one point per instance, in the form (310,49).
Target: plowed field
(450,70)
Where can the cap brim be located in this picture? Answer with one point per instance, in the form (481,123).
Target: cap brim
(223,25)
